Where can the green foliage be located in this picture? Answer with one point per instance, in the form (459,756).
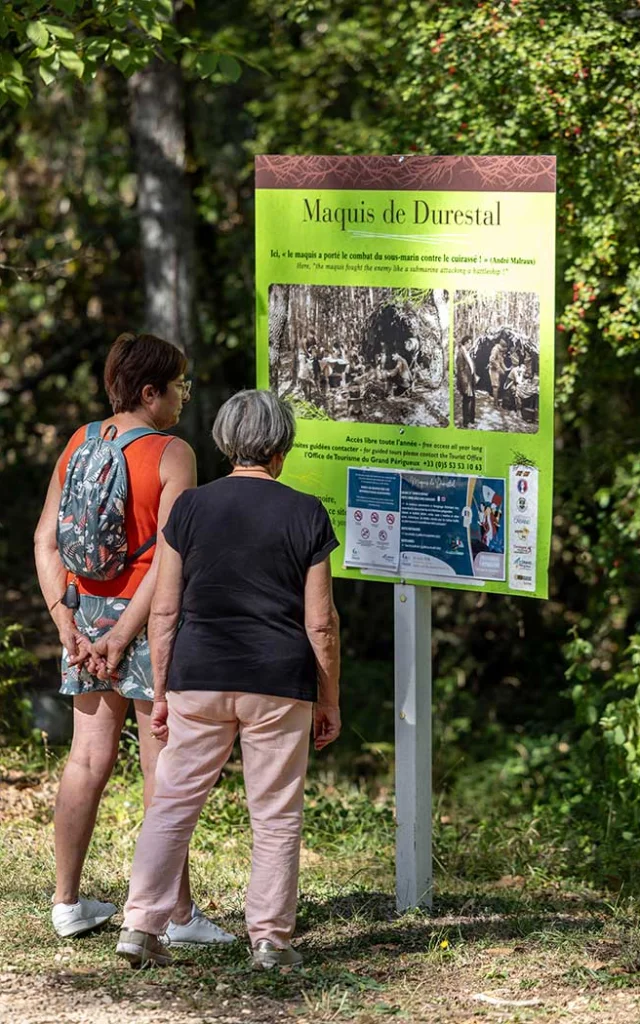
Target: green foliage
(578,786)
(14,659)
(15,663)
(79,38)
(308,410)
(337,815)
(609,711)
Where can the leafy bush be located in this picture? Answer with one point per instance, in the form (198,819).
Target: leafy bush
(15,663)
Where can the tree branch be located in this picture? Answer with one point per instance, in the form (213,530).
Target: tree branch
(34,272)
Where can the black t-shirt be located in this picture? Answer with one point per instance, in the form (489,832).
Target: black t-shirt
(246,544)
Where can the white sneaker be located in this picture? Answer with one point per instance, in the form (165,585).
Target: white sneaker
(74,918)
(199,931)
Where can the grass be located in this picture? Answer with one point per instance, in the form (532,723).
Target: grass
(507,941)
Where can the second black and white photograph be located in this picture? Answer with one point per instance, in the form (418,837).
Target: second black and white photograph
(497,361)
(368,355)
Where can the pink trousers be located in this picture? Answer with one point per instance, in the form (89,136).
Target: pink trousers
(203,725)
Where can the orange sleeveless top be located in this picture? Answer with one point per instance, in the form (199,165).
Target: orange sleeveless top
(143,459)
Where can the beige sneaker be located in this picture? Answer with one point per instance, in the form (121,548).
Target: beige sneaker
(266,955)
(142,949)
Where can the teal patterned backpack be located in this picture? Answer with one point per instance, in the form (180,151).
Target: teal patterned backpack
(91,533)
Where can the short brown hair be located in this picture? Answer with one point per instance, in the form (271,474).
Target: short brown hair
(135,360)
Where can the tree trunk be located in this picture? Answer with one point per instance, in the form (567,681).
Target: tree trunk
(167,230)
(164,203)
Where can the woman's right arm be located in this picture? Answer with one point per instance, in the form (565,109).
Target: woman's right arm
(322,627)
(52,575)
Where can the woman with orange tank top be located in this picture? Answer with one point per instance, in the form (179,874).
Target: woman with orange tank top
(102,626)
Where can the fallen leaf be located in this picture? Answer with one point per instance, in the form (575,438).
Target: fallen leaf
(481,997)
(510,882)
(577,1004)
(309,858)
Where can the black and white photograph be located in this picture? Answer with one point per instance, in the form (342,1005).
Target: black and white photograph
(497,361)
(367,355)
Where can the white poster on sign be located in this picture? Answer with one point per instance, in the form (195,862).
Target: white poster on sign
(373,519)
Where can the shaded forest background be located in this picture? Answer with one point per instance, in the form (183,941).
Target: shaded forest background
(125,182)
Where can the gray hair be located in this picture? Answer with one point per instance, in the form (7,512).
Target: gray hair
(253,426)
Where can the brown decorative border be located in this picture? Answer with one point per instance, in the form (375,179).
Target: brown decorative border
(409,173)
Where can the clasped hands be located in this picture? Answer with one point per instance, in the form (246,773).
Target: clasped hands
(101,657)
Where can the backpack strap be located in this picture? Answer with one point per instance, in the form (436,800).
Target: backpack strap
(126,439)
(93,429)
(141,550)
(132,435)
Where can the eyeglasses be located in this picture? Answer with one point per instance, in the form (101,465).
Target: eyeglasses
(185,387)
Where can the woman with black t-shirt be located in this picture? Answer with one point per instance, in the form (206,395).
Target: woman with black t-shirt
(245,561)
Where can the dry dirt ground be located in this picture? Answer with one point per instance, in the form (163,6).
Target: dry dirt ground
(511,951)
(512,982)
(488,417)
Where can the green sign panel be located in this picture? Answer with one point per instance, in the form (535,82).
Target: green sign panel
(406,308)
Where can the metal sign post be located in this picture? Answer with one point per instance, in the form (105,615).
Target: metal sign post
(412,620)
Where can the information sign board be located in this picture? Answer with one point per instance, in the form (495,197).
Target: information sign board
(406,307)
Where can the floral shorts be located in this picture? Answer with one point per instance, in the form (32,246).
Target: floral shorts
(94,617)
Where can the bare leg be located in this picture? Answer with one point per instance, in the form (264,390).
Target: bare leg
(97,723)
(150,748)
